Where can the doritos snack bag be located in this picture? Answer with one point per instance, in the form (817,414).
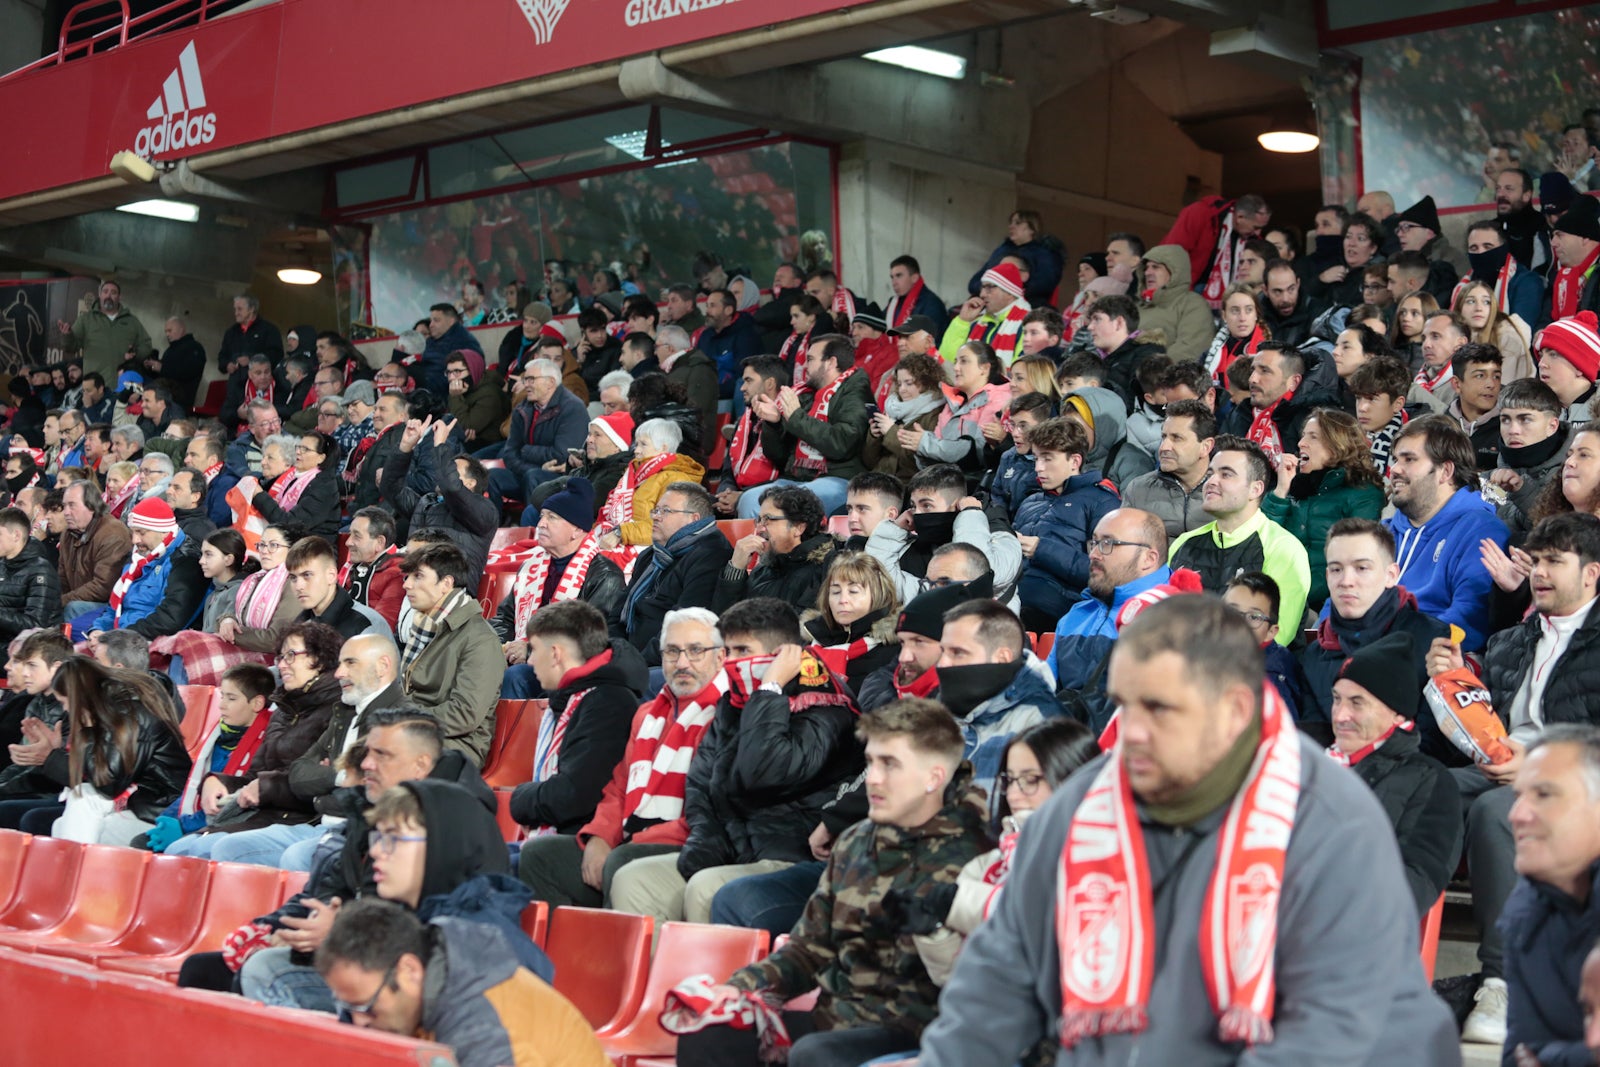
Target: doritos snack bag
(1461,707)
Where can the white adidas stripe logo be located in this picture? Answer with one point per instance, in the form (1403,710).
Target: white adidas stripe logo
(183,90)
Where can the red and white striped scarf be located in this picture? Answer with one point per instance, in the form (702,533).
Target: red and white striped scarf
(533,574)
(793,352)
(344,571)
(1431,382)
(900,306)
(1105,922)
(689,1008)
(751,467)
(239,761)
(134,571)
(253,393)
(1221,273)
(1353,758)
(117,505)
(1567,287)
(1264,431)
(1002,336)
(806,457)
(212,471)
(656,781)
(838,657)
(618,507)
(844,303)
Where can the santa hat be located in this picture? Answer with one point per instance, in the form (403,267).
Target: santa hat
(1183,580)
(1005,276)
(618,426)
(1576,340)
(152,513)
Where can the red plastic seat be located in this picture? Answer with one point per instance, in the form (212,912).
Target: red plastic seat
(605,986)
(216,393)
(509,535)
(44,889)
(102,904)
(683,949)
(165,921)
(13,853)
(536,922)
(238,893)
(493,589)
(733,529)
(293,882)
(507,721)
(514,764)
(1043,643)
(510,829)
(1430,935)
(839,526)
(202,710)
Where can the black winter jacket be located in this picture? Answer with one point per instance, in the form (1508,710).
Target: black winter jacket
(793,577)
(469,518)
(595,740)
(1424,807)
(384,449)
(1573,692)
(30,592)
(1547,936)
(761,775)
(298,720)
(1122,369)
(603,588)
(689,581)
(184,597)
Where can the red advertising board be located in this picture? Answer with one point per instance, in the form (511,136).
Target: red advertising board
(301,64)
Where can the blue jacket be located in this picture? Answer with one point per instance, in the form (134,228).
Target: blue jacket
(1014,481)
(495,900)
(1084,639)
(989,727)
(1063,522)
(1283,670)
(142,598)
(430,368)
(216,504)
(1547,935)
(729,347)
(536,437)
(1440,565)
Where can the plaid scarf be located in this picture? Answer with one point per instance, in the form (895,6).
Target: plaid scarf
(425,626)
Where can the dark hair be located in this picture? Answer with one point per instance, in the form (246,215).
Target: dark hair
(926,371)
(1348,448)
(1261,467)
(886,486)
(1533,395)
(640,307)
(445,559)
(973,561)
(1527,178)
(1153,371)
(592,318)
(939,478)
(1443,442)
(1134,241)
(1372,342)
(998,626)
(838,348)
(292,531)
(641,341)
(799,505)
(810,305)
(308,550)
(373,934)
(1116,306)
(1068,436)
(325,445)
(908,262)
(767,620)
(1361,220)
(1414,264)
(110,698)
(927,724)
(987,356)
(422,727)
(1473,352)
(1381,376)
(695,498)
(1261,584)
(1577,532)
(1294,362)
(380,522)
(1082,365)
(320,639)
(1352,527)
(1203,419)
(1054,324)
(230,542)
(767,368)
(15,518)
(51,646)
(213,447)
(1034,403)
(1276,265)
(445,309)
(577,621)
(475,471)
(251,679)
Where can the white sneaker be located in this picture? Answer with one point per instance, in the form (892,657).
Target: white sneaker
(1487,1023)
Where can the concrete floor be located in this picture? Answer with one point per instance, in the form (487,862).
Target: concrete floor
(1458,954)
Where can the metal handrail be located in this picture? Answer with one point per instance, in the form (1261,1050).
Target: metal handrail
(83,32)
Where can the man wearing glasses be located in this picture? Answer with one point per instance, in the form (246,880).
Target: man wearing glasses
(680,569)
(547,422)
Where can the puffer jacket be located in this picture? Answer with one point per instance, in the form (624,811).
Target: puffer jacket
(1573,692)
(989,727)
(1083,644)
(1054,577)
(1423,805)
(1310,510)
(1548,935)
(1014,481)
(842,946)
(835,644)
(680,468)
(793,577)
(30,592)
(761,775)
(468,517)
(959,436)
(1535,464)
(1175,309)
(689,423)
(603,588)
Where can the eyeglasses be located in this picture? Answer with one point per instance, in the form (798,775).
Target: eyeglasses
(768,520)
(696,653)
(926,584)
(271,546)
(656,513)
(1104,546)
(380,841)
(456,372)
(1027,782)
(1372,287)
(1255,618)
(366,1009)
(302,449)
(292,655)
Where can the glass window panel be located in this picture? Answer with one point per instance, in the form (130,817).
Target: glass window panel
(374,182)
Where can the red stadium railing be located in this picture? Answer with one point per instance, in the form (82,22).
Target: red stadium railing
(97,25)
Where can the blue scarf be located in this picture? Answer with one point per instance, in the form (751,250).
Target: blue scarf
(662,557)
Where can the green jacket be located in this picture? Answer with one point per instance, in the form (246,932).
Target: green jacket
(1176,310)
(483,408)
(870,975)
(840,439)
(457,678)
(105,341)
(1309,520)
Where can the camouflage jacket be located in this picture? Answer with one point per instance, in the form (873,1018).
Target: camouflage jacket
(868,974)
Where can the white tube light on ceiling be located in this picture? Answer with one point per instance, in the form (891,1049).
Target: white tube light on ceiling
(163,209)
(925,60)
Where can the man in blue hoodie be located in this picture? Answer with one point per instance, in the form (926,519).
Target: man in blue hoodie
(1439,522)
(1053,526)
(1127,556)
(445,335)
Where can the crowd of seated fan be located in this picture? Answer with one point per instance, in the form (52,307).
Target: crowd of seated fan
(808,664)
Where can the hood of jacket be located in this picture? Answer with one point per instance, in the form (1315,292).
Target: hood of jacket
(813,551)
(1108,416)
(463,839)
(621,664)
(1176,260)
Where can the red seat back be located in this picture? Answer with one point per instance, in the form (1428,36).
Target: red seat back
(536,922)
(509,827)
(103,902)
(493,589)
(167,917)
(293,882)
(733,529)
(509,535)
(44,889)
(1043,643)
(202,709)
(1430,935)
(683,949)
(13,851)
(507,718)
(606,986)
(238,893)
(515,763)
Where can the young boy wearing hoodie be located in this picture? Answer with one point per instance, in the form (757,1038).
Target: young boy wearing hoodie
(1054,525)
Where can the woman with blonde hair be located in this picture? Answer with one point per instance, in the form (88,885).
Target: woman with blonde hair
(1331,477)
(1475,303)
(853,624)
(1034,374)
(122,481)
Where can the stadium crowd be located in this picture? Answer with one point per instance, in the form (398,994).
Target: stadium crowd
(1289,543)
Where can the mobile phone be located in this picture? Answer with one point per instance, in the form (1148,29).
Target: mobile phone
(575,456)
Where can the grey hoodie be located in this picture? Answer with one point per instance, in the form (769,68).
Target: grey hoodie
(1109,417)
(1350,987)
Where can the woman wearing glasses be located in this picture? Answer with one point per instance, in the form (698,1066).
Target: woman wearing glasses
(260,797)
(249,630)
(308,492)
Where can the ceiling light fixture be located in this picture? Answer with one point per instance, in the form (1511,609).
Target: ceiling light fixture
(1290,134)
(163,209)
(923,60)
(299,275)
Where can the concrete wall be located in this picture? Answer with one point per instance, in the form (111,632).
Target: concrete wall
(21,33)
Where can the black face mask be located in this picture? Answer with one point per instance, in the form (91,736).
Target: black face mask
(1486,265)
(934,527)
(1329,246)
(961,689)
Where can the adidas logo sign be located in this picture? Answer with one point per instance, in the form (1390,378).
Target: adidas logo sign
(179,114)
